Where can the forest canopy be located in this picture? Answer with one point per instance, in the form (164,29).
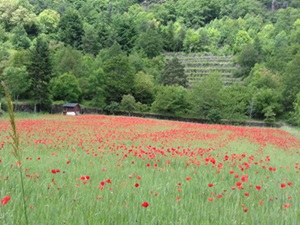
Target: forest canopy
(111,54)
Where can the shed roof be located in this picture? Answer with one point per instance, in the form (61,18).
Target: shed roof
(70,105)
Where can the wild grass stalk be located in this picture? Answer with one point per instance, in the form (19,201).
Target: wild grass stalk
(16,145)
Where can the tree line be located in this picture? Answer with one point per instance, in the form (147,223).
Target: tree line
(109,54)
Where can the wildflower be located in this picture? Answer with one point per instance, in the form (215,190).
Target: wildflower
(5,200)
(210,185)
(145,204)
(136,185)
(244,178)
(238,184)
(283,185)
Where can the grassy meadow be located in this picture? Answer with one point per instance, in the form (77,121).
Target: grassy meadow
(96,169)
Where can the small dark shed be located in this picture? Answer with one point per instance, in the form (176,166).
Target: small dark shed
(71,109)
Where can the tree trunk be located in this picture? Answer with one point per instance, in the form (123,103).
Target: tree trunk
(34,108)
(273,5)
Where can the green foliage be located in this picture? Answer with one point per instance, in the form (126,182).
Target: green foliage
(19,38)
(128,103)
(66,87)
(40,72)
(246,59)
(68,60)
(267,103)
(295,115)
(171,100)
(242,38)
(17,80)
(205,97)
(174,74)
(234,102)
(118,79)
(150,42)
(71,29)
(113,107)
(198,13)
(47,21)
(291,81)
(90,42)
(264,94)
(143,88)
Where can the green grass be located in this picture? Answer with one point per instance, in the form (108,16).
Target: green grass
(119,149)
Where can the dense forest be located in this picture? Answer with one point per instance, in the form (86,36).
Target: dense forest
(111,54)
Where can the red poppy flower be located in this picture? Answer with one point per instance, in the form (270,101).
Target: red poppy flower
(283,185)
(247,194)
(210,185)
(210,199)
(231,171)
(258,187)
(136,184)
(238,184)
(245,209)
(244,178)
(5,200)
(290,183)
(287,205)
(53,171)
(145,204)
(188,178)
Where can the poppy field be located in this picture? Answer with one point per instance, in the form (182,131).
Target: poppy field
(97,169)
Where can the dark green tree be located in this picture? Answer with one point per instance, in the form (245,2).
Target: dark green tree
(171,100)
(20,39)
(291,82)
(125,32)
(143,88)
(118,78)
(205,97)
(246,59)
(68,60)
(128,103)
(17,80)
(40,72)
(234,102)
(150,41)
(174,73)
(71,29)
(90,40)
(66,88)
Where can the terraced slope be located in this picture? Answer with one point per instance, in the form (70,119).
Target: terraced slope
(197,66)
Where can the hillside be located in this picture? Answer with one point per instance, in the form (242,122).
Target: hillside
(197,66)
